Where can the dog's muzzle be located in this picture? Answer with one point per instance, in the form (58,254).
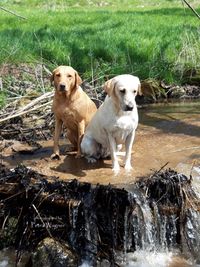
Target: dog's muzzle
(128,108)
(62,87)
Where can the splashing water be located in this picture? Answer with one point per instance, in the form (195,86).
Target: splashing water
(155,236)
(143,258)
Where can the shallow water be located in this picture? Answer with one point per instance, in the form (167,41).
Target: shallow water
(167,133)
(139,258)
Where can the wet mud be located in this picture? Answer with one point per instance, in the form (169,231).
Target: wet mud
(167,134)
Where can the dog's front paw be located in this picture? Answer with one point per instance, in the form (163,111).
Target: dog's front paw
(91,160)
(128,167)
(116,168)
(55,156)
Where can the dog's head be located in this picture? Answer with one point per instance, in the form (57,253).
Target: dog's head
(65,79)
(123,90)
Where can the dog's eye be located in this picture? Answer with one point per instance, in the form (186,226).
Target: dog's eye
(69,76)
(123,91)
(57,74)
(134,91)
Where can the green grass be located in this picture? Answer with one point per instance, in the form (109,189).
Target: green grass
(2,99)
(157,39)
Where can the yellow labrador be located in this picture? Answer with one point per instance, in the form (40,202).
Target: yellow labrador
(72,107)
(114,123)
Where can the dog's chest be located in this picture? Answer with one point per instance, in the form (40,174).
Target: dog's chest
(122,127)
(124,123)
(66,114)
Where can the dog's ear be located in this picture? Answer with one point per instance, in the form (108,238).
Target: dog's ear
(52,77)
(139,92)
(109,86)
(78,80)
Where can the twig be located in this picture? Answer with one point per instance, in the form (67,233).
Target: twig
(41,220)
(25,112)
(193,164)
(47,70)
(1,85)
(156,172)
(43,116)
(92,73)
(12,93)
(11,12)
(18,97)
(4,222)
(35,101)
(194,11)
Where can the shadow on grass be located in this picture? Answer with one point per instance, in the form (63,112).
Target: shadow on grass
(183,12)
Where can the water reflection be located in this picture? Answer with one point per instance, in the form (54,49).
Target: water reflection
(181,118)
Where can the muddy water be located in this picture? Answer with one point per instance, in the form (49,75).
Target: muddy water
(167,133)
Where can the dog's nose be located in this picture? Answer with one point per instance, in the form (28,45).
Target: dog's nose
(128,108)
(62,87)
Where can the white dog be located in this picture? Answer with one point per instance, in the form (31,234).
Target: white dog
(114,123)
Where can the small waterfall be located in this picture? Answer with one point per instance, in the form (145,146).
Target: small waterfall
(161,221)
(90,230)
(148,233)
(73,217)
(191,234)
(140,224)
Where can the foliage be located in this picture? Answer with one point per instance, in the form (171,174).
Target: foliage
(151,39)
(2,99)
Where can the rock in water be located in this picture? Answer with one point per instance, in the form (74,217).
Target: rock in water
(50,252)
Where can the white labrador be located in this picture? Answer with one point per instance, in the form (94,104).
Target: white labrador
(114,123)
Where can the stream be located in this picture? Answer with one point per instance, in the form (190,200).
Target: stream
(168,134)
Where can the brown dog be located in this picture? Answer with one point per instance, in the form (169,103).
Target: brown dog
(71,106)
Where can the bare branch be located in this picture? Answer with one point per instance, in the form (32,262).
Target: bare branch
(198,16)
(26,111)
(11,12)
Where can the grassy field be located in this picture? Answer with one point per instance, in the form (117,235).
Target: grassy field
(157,39)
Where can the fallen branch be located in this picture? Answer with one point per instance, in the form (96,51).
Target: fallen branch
(194,11)
(47,70)
(11,12)
(35,101)
(26,111)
